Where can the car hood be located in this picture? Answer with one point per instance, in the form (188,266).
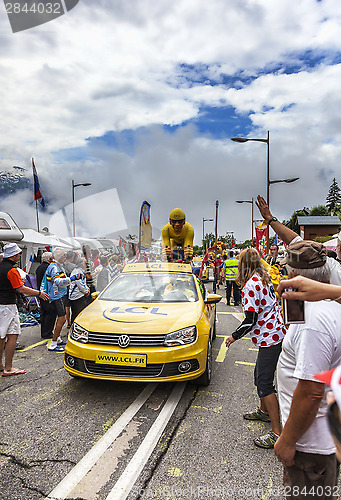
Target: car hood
(137,317)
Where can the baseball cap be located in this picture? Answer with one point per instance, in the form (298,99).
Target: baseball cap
(11,249)
(333,379)
(305,254)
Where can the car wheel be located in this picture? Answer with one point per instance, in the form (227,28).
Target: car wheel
(205,378)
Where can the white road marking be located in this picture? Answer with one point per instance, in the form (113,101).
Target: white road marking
(87,462)
(238,316)
(127,480)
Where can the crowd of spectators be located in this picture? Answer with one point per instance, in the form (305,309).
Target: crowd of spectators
(304,438)
(65,281)
(305,431)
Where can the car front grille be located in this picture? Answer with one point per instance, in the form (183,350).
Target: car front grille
(152,370)
(135,340)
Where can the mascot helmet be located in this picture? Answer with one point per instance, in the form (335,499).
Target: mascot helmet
(177,214)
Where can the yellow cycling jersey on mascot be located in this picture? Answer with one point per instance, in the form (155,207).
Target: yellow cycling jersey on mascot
(184,238)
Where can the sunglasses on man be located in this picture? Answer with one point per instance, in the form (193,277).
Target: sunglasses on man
(172,221)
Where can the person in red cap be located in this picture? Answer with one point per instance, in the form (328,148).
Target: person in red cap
(10,284)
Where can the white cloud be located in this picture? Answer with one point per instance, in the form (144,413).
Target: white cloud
(112,66)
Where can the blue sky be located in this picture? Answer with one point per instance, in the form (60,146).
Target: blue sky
(144,97)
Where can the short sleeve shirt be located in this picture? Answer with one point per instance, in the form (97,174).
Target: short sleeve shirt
(310,348)
(14,276)
(269,329)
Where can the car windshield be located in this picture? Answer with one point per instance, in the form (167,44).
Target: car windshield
(152,287)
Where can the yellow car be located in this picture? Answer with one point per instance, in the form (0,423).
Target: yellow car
(154,322)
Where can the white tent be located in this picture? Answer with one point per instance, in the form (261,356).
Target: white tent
(33,241)
(92,242)
(331,244)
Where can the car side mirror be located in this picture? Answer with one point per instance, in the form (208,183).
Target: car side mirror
(94,295)
(213,298)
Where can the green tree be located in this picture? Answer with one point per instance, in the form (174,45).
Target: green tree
(197,249)
(319,210)
(334,195)
(292,222)
(209,239)
(337,210)
(323,239)
(245,244)
(131,237)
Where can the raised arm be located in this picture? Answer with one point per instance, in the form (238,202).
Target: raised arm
(284,233)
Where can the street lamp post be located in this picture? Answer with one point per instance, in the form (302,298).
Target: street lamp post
(268,182)
(203,233)
(73,202)
(249,201)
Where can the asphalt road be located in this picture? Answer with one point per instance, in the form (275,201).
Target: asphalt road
(51,421)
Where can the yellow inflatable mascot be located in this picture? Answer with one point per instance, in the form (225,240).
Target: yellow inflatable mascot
(179,233)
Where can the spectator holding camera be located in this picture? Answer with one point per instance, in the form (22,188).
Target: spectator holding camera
(305,446)
(309,290)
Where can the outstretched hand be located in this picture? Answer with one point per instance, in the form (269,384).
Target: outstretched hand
(229,341)
(263,208)
(43,295)
(307,289)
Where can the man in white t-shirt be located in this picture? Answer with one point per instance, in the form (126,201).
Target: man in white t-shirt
(305,446)
(288,236)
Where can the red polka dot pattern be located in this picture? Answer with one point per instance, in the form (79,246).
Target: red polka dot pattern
(270,328)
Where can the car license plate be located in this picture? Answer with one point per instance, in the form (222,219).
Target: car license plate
(112,358)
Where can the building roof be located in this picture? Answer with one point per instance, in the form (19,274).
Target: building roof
(318,220)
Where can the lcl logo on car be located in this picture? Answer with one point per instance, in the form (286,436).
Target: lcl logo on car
(113,314)
(23,14)
(123,341)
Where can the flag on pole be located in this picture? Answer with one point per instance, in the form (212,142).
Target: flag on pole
(276,239)
(261,239)
(145,236)
(233,243)
(37,194)
(122,243)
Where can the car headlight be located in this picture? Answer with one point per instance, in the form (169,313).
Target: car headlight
(79,334)
(181,337)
